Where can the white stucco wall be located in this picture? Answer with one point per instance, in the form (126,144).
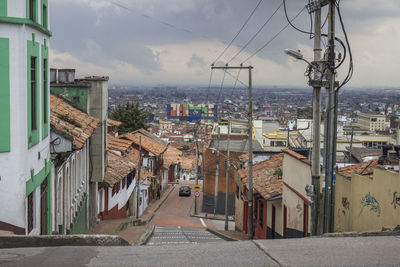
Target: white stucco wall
(16,165)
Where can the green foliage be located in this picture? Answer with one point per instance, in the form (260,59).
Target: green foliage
(278,172)
(304,113)
(65,117)
(132,117)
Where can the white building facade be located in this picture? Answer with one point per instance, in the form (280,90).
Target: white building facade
(25,165)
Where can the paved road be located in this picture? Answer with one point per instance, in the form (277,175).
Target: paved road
(176,210)
(179,235)
(348,251)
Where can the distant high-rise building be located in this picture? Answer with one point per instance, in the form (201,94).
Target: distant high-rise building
(372,122)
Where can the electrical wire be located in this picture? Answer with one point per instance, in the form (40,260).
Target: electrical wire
(291,20)
(209,85)
(220,89)
(255,35)
(351,67)
(240,30)
(273,38)
(234,86)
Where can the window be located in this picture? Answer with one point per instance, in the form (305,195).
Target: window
(32,10)
(30,212)
(44,16)
(45,97)
(237,192)
(33,94)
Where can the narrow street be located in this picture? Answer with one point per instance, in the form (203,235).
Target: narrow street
(174,225)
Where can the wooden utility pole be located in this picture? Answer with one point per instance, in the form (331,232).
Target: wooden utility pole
(138,177)
(196,173)
(227,176)
(250,143)
(315,206)
(216,175)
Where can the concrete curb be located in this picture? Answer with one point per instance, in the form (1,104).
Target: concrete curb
(145,236)
(264,249)
(360,234)
(139,222)
(17,241)
(210,217)
(220,235)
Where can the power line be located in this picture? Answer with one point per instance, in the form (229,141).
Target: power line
(273,38)
(237,34)
(255,35)
(220,90)
(209,86)
(291,24)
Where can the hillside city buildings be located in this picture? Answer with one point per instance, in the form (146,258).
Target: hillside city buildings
(65,166)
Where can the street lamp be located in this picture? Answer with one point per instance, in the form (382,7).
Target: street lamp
(299,56)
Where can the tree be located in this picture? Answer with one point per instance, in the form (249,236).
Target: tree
(132,117)
(304,113)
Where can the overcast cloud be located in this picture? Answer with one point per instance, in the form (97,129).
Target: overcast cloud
(133,46)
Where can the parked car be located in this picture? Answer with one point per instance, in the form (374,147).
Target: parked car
(185,191)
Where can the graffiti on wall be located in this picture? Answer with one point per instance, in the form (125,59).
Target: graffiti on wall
(345,204)
(370,202)
(396,200)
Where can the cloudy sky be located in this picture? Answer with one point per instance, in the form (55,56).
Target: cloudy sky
(151,42)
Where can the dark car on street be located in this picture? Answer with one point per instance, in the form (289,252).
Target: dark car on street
(185,191)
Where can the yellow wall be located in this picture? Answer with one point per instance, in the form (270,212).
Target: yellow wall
(370,200)
(239,213)
(297,174)
(278,215)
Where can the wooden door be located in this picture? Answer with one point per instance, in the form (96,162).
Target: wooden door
(43,207)
(273,222)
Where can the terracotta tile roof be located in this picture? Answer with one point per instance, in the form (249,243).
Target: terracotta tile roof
(117,168)
(118,144)
(71,121)
(265,179)
(133,155)
(187,163)
(113,122)
(148,143)
(171,156)
(294,154)
(244,157)
(363,168)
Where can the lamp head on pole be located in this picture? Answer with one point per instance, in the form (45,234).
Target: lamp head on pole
(295,54)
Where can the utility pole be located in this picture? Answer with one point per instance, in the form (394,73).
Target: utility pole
(216,175)
(227,176)
(315,206)
(196,172)
(250,164)
(138,178)
(330,125)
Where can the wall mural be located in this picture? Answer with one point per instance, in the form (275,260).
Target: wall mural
(396,200)
(372,203)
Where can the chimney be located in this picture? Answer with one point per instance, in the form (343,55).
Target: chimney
(66,75)
(53,75)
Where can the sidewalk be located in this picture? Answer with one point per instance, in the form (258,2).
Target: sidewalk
(129,228)
(230,235)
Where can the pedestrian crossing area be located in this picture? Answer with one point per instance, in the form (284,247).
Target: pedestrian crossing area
(179,235)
